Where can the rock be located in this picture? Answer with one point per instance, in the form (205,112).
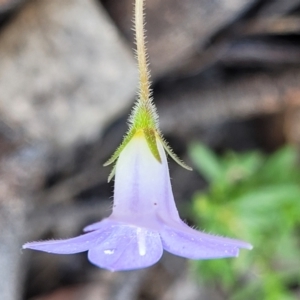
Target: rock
(20,177)
(65,72)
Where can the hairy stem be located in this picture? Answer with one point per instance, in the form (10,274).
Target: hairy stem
(144,88)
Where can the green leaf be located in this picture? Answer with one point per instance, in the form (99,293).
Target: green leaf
(206,162)
(281,166)
(270,197)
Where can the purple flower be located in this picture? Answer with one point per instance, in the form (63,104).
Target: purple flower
(144,220)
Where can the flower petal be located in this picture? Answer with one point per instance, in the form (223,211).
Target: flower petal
(142,184)
(103,224)
(73,245)
(193,244)
(127,248)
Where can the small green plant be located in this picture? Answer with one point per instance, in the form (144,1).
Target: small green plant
(254,197)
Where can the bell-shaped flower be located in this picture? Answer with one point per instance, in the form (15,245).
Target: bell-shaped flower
(144,220)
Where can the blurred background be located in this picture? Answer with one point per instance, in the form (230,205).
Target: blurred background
(226,80)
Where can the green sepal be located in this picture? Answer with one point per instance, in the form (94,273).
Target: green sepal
(112,173)
(143,116)
(173,155)
(117,153)
(150,136)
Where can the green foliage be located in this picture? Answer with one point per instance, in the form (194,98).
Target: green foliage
(255,198)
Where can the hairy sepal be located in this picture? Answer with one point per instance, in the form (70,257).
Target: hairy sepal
(150,136)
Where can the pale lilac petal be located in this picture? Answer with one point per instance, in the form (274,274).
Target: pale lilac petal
(127,248)
(142,183)
(94,226)
(194,244)
(69,246)
(102,225)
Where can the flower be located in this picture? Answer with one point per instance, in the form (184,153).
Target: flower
(144,220)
